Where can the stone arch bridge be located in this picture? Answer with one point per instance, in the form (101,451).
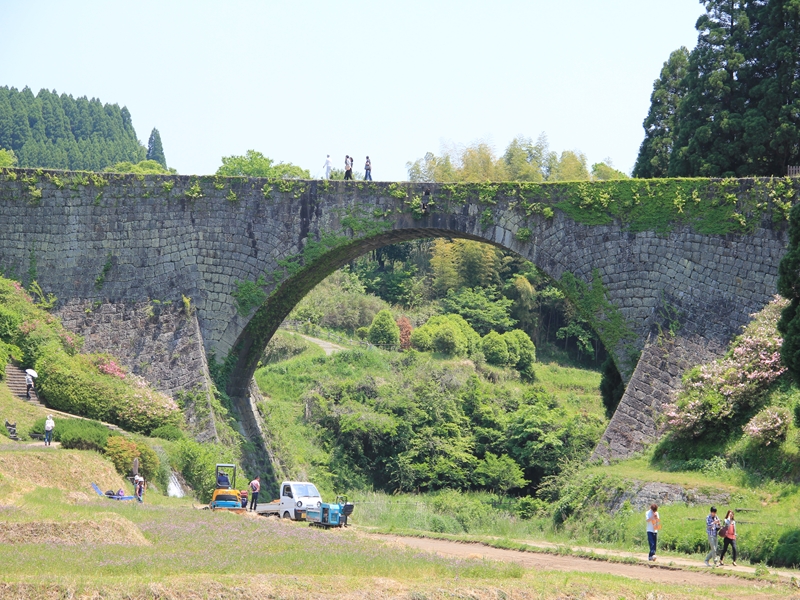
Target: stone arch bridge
(165,271)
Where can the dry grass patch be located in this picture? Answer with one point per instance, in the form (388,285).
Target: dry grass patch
(107,528)
(68,470)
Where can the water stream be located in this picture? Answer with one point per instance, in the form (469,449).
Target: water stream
(174,489)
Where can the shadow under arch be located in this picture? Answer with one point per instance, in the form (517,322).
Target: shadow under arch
(267,318)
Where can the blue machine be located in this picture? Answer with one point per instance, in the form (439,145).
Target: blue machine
(330,514)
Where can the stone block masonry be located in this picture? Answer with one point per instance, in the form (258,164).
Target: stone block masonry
(155,340)
(662,295)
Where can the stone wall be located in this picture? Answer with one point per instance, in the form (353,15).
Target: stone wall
(157,341)
(128,240)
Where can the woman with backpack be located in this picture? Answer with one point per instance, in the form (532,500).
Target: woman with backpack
(728,533)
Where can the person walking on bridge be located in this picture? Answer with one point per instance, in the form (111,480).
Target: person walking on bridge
(368,170)
(348,167)
(255,487)
(328,166)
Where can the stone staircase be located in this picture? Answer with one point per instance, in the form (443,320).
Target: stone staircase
(15,379)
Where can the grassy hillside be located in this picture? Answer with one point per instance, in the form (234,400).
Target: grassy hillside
(412,421)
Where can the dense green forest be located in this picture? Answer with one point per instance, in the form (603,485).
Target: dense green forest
(731,106)
(60,132)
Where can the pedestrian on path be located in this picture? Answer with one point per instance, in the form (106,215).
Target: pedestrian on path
(255,487)
(49,425)
(328,166)
(712,530)
(653,527)
(348,167)
(728,537)
(368,170)
(28,385)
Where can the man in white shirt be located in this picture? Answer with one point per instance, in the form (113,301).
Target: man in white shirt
(49,425)
(328,166)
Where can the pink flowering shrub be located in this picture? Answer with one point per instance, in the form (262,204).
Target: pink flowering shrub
(717,391)
(144,409)
(71,342)
(105,364)
(769,426)
(78,385)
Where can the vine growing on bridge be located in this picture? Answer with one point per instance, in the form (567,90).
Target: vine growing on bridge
(592,303)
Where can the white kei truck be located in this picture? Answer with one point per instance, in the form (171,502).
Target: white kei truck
(296,498)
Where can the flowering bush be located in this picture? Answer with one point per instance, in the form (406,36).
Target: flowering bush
(76,384)
(769,426)
(72,343)
(144,409)
(719,390)
(404,325)
(106,364)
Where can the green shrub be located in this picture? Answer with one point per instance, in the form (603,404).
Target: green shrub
(449,340)
(76,434)
(421,339)
(787,550)
(85,440)
(469,511)
(524,348)
(362,333)
(10,321)
(122,451)
(529,507)
(168,432)
(149,463)
(494,348)
(384,330)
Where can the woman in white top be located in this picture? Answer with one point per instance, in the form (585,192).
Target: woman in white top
(653,526)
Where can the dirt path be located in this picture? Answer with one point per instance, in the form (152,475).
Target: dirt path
(12,445)
(656,573)
(328,347)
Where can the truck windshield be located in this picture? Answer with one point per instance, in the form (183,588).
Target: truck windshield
(305,489)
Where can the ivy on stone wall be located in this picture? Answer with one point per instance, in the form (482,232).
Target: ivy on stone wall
(592,303)
(709,206)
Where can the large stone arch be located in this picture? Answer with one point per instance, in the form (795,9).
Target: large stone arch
(668,271)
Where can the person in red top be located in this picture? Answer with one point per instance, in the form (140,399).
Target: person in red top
(728,537)
(255,487)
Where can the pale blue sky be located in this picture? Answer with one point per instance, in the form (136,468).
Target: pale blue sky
(299,79)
